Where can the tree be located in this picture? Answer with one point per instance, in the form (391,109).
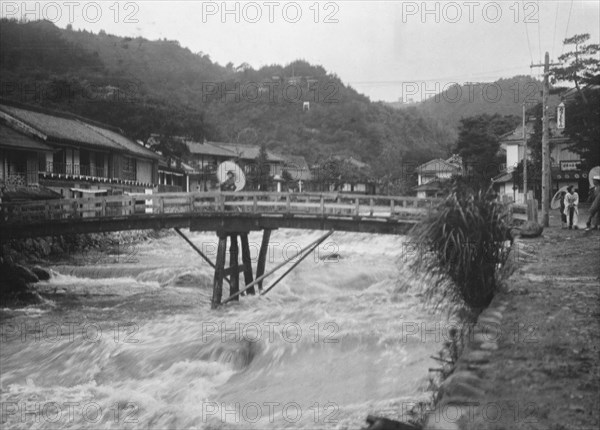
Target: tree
(260,172)
(287,179)
(583,126)
(582,68)
(478,144)
(338,171)
(171,147)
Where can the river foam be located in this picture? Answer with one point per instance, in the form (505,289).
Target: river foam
(135,344)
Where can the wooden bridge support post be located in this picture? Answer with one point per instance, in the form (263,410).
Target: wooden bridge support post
(247,262)
(262,256)
(234,286)
(219,271)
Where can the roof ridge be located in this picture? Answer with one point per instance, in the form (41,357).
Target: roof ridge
(58,113)
(99,130)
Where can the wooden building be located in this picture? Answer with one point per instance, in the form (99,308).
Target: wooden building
(71,153)
(565,164)
(431,175)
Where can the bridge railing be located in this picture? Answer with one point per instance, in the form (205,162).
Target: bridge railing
(258,203)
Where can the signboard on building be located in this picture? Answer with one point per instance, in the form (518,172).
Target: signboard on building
(566,166)
(560,116)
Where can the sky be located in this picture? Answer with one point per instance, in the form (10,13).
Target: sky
(386,50)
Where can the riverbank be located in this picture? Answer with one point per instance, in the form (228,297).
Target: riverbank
(24,262)
(532,362)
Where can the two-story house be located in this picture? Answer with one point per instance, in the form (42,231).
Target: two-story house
(565,164)
(432,174)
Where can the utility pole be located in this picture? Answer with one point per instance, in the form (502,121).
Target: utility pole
(524,155)
(546,178)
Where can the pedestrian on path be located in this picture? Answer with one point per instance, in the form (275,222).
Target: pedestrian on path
(563,216)
(571,207)
(593,221)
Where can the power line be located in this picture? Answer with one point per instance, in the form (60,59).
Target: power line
(434,79)
(539,33)
(555,26)
(567,29)
(527,33)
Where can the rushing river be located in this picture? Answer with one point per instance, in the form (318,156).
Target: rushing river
(130,341)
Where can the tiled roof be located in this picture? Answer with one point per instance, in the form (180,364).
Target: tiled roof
(297,161)
(129,145)
(503,177)
(208,149)
(61,127)
(516,136)
(246,152)
(437,166)
(14,139)
(297,167)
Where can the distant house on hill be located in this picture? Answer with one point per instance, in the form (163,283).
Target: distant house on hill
(431,175)
(70,155)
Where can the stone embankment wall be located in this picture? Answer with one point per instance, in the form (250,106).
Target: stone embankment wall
(462,392)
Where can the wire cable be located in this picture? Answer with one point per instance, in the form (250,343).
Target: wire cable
(527,33)
(555,26)
(567,29)
(539,32)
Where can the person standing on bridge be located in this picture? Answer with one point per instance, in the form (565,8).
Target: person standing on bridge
(229,184)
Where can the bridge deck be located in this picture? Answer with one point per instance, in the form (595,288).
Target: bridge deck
(213,212)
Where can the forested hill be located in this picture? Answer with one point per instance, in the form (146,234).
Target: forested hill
(503,97)
(147,86)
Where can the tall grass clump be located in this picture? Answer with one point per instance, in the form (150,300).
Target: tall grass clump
(461,245)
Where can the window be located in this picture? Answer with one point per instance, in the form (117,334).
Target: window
(129,168)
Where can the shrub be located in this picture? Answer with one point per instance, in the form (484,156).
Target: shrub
(461,246)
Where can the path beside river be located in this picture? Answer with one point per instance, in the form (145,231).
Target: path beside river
(543,369)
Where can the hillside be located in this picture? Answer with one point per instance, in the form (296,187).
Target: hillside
(147,87)
(503,97)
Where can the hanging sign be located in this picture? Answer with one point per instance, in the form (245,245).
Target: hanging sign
(560,116)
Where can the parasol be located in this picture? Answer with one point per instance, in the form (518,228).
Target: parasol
(238,174)
(595,172)
(556,199)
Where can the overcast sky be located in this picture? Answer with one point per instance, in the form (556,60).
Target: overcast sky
(379,48)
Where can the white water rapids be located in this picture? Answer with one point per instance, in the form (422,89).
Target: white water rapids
(130,341)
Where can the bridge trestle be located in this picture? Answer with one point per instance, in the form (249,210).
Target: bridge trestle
(235,268)
(231,275)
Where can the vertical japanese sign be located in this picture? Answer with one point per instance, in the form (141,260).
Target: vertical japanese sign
(560,116)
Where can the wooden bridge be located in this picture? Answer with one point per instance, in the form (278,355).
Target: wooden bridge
(230,215)
(212,212)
